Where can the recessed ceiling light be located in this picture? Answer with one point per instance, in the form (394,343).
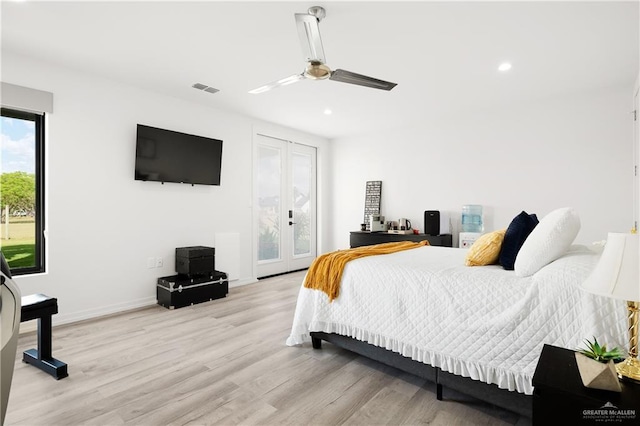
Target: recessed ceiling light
(505,66)
(327,111)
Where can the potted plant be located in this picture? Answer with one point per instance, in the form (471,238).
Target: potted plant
(596,367)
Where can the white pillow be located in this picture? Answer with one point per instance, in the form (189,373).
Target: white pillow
(548,241)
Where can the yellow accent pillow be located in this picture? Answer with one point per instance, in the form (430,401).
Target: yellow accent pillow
(486,249)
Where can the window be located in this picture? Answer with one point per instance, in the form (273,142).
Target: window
(22,191)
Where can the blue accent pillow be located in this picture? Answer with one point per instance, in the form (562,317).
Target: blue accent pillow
(517,232)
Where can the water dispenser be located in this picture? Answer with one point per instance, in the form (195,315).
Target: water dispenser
(472,218)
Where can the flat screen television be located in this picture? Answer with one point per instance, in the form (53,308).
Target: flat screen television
(168,156)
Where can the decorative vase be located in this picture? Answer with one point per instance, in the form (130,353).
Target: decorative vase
(597,375)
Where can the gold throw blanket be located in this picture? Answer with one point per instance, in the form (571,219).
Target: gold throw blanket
(325,272)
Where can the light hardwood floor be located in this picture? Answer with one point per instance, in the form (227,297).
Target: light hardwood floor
(223,362)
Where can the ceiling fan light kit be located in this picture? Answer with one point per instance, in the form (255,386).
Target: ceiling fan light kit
(313,52)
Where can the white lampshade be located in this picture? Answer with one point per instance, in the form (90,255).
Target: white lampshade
(617,273)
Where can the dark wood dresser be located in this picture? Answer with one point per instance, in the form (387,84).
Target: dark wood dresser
(366,238)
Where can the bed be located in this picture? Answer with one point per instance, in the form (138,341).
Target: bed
(479,330)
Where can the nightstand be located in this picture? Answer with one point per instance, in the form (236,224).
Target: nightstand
(560,398)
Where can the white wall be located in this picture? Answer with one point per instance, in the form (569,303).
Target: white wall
(102,224)
(571,151)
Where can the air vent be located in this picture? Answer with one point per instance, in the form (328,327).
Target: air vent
(204,87)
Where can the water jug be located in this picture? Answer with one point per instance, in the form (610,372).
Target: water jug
(472,218)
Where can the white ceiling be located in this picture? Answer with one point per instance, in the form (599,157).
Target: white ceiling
(443,55)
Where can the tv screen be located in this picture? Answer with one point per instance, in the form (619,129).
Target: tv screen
(168,156)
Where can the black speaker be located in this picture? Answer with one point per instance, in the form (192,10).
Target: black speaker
(432,222)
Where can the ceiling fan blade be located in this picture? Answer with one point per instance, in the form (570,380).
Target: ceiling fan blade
(282,82)
(310,40)
(362,80)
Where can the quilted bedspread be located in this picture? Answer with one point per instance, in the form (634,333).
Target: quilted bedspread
(480,322)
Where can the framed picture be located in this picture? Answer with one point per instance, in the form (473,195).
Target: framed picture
(373,195)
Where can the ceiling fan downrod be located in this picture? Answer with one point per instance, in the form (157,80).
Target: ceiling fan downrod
(318,12)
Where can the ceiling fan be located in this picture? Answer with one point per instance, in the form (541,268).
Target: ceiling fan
(316,69)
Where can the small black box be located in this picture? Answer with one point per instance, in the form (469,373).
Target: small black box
(196,260)
(177,291)
(432,222)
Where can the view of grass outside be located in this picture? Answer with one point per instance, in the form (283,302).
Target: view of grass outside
(18,192)
(20,248)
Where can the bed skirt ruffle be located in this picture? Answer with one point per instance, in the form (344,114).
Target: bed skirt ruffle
(503,379)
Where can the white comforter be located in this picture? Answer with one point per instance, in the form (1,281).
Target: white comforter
(478,322)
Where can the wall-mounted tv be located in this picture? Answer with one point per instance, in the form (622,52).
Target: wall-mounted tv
(168,156)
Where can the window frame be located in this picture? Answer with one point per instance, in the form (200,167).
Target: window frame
(39,121)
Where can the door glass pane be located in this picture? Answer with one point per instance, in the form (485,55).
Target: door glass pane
(18,192)
(269,195)
(302,168)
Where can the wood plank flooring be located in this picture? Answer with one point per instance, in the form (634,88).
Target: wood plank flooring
(224,362)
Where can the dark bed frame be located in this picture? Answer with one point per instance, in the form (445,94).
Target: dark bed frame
(513,401)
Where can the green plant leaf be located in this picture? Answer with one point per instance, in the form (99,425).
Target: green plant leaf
(599,352)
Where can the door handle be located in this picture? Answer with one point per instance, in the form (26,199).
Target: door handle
(291,223)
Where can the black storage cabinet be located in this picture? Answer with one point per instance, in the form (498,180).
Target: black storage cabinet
(366,238)
(196,260)
(177,291)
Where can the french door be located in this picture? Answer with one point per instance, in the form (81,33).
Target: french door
(285,205)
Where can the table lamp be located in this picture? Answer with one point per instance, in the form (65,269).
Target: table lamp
(617,276)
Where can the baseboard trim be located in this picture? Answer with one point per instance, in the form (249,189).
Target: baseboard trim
(61,319)
(240,283)
(282,273)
